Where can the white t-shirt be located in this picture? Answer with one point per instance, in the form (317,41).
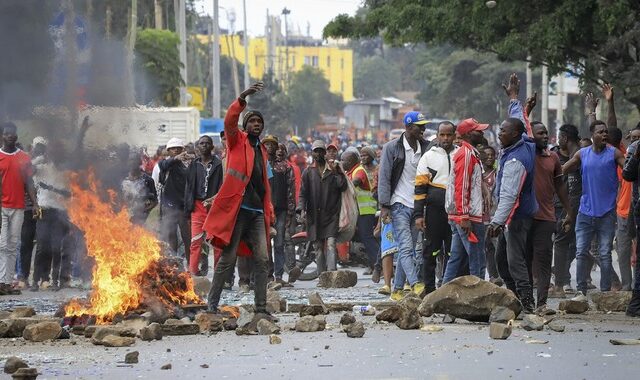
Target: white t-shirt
(405,190)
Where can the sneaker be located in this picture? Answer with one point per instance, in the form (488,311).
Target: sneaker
(34,287)
(580,298)
(375,276)
(590,286)
(568,289)
(283,283)
(419,288)
(244,288)
(294,274)
(22,284)
(266,315)
(397,295)
(385,290)
(543,310)
(407,288)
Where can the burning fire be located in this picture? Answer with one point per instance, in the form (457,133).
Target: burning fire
(128,267)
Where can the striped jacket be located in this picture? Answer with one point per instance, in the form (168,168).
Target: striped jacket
(464,192)
(432,178)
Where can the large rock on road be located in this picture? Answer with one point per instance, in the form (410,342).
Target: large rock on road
(469,298)
(338,279)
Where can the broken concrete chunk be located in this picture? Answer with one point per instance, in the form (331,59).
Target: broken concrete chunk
(499,330)
(311,324)
(338,279)
(39,332)
(347,319)
(532,322)
(151,332)
(611,301)
(266,327)
(502,314)
(131,357)
(22,312)
(115,341)
(274,339)
(574,307)
(355,330)
(14,363)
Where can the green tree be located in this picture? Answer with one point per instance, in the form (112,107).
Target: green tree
(594,39)
(157,56)
(309,97)
(376,77)
(275,105)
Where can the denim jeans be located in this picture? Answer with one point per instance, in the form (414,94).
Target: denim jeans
(460,245)
(604,228)
(9,235)
(405,234)
(249,228)
(278,243)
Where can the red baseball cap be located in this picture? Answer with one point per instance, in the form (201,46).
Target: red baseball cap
(332,146)
(468,125)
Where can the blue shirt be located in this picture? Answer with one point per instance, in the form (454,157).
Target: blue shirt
(599,181)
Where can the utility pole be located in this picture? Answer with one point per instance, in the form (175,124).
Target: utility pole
(246,45)
(285,12)
(181,30)
(215,64)
(545,96)
(560,113)
(157,10)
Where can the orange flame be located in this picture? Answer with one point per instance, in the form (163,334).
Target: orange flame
(127,258)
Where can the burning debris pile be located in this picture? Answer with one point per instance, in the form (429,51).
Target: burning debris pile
(129,273)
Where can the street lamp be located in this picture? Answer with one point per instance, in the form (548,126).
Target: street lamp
(286,12)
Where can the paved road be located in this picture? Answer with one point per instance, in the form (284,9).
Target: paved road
(460,351)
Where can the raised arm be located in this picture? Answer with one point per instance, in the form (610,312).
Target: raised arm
(591,103)
(516,110)
(607,91)
(572,164)
(234,111)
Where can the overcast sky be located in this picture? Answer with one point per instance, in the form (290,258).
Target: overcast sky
(315,12)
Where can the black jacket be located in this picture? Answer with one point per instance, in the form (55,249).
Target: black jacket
(215,181)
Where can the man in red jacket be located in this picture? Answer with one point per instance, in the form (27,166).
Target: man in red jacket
(242,211)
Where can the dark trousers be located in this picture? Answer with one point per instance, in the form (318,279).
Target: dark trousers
(437,242)
(366,225)
(540,255)
(511,256)
(249,228)
(174,219)
(278,243)
(490,256)
(564,250)
(51,231)
(636,281)
(27,236)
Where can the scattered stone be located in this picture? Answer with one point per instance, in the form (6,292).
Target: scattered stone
(532,322)
(13,364)
(201,286)
(555,326)
(186,320)
(274,285)
(611,301)
(470,298)
(274,339)
(275,303)
(246,317)
(347,319)
(25,374)
(22,312)
(311,324)
(432,328)
(294,307)
(103,331)
(536,341)
(338,279)
(391,315)
(313,310)
(624,342)
(131,357)
(39,332)
(173,321)
(64,333)
(410,301)
(115,341)
(204,365)
(245,331)
(266,327)
(355,330)
(13,328)
(209,322)
(136,323)
(499,330)
(151,332)
(5,314)
(182,329)
(338,307)
(502,314)
(230,324)
(448,318)
(410,319)
(574,307)
(166,366)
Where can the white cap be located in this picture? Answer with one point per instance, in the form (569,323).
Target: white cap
(175,143)
(40,140)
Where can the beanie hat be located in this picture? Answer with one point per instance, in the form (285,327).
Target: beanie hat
(248,115)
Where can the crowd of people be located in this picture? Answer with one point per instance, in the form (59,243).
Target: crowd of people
(428,211)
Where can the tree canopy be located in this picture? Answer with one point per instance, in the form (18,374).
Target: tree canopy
(157,56)
(598,40)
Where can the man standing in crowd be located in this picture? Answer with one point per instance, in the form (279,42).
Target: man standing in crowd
(138,191)
(488,157)
(596,215)
(242,209)
(368,158)
(432,179)
(16,172)
(631,172)
(367,206)
(204,178)
(283,198)
(564,245)
(319,205)
(173,178)
(464,202)
(396,190)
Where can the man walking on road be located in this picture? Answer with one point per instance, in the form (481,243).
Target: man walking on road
(242,209)
(396,190)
